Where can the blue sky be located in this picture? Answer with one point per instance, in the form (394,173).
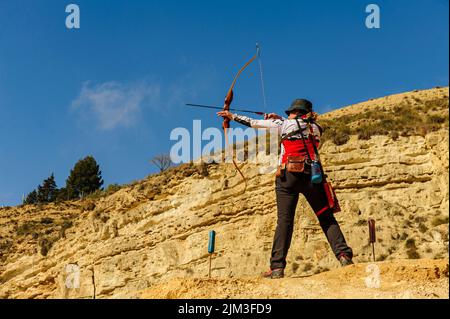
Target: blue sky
(115,88)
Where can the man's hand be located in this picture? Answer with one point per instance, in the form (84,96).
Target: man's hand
(226,114)
(272,116)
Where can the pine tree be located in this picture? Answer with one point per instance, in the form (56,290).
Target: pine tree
(62,195)
(47,192)
(84,178)
(31,198)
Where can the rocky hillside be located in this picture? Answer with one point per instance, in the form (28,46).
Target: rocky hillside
(154,231)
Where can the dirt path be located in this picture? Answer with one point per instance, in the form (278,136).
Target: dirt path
(398,279)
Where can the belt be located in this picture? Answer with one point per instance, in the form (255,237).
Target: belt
(306,171)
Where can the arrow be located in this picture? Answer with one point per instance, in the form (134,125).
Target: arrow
(221,108)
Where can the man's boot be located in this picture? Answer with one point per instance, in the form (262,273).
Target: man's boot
(274,273)
(345,260)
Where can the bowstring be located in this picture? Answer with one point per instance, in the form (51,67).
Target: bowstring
(261,75)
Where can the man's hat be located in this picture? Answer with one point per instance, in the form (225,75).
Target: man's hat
(301,105)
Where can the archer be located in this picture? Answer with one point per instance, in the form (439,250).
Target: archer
(299,172)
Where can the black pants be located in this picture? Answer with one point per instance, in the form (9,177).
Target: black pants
(288,189)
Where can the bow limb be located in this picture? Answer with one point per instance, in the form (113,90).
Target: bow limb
(226,107)
(240,71)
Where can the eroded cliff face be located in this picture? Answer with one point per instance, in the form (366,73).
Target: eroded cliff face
(157,229)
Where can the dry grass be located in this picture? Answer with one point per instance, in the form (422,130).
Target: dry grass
(405,119)
(46,231)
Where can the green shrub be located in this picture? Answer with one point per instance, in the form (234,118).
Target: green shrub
(365,132)
(27,228)
(394,135)
(64,226)
(112,188)
(338,133)
(437,119)
(5,245)
(203,169)
(46,220)
(95,194)
(341,135)
(45,244)
(361,222)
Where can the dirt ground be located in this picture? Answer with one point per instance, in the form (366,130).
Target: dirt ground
(410,279)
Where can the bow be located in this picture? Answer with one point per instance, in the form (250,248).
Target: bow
(226,107)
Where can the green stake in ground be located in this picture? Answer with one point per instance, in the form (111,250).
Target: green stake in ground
(211,244)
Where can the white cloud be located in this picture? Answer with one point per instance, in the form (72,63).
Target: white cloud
(114,104)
